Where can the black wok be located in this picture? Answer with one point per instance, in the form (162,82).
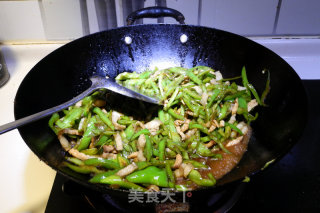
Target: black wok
(65,73)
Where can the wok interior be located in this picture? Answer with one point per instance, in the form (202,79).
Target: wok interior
(65,72)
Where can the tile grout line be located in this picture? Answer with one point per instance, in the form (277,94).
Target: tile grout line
(276,19)
(199,11)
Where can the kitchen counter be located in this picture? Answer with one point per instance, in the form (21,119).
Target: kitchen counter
(27,182)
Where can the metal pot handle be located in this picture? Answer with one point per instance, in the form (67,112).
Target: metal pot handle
(155,12)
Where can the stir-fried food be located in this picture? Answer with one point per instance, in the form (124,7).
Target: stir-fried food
(197,136)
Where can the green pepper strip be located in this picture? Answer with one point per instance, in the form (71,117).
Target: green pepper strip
(266,90)
(161,164)
(223,111)
(86,138)
(245,81)
(70,118)
(234,96)
(107,163)
(103,117)
(108,133)
(249,86)
(204,151)
(170,153)
(214,95)
(75,161)
(53,119)
(82,169)
(170,175)
(162,117)
(123,162)
(196,164)
(195,177)
(222,147)
(140,132)
(145,75)
(192,107)
(173,134)
(231,79)
(172,86)
(192,94)
(243,107)
(172,98)
(102,140)
(98,177)
(143,164)
(193,77)
(127,75)
(129,131)
(175,115)
(125,122)
(148,149)
(234,127)
(116,180)
(182,188)
(150,175)
(227,131)
(250,117)
(255,94)
(162,146)
(198,126)
(92,151)
(205,139)
(179,70)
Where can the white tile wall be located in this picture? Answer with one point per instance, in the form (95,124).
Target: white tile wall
(189,8)
(61,18)
(299,17)
(92,16)
(149,3)
(20,20)
(246,17)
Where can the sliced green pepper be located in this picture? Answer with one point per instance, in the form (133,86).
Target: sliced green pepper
(195,177)
(70,118)
(103,117)
(148,148)
(98,177)
(107,163)
(150,175)
(140,132)
(162,146)
(55,117)
(82,169)
(86,138)
(116,180)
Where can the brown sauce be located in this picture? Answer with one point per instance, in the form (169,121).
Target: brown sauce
(218,168)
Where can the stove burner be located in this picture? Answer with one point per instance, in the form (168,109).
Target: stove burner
(219,202)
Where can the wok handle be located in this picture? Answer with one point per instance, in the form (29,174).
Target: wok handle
(155,12)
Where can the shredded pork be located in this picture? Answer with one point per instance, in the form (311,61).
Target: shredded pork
(234,141)
(178,161)
(252,104)
(153,126)
(115,116)
(118,140)
(127,170)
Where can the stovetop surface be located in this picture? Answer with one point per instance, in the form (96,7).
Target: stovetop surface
(291,185)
